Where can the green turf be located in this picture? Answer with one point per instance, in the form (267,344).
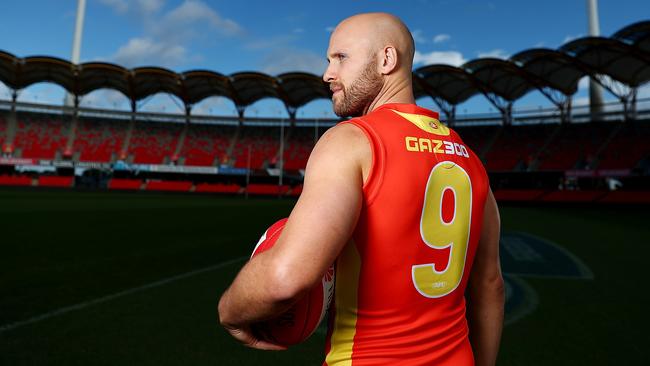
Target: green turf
(64,248)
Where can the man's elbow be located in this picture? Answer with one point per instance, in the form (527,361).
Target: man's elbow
(497,287)
(491,289)
(286,285)
(226,315)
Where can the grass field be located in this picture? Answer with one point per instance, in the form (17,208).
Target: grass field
(70,250)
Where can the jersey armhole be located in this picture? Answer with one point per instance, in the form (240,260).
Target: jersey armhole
(375,174)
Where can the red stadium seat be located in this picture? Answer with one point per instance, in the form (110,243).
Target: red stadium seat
(165,185)
(628,147)
(98,139)
(515,145)
(206,144)
(127,184)
(573,196)
(298,148)
(627,197)
(264,143)
(296,191)
(152,142)
(15,180)
(518,195)
(575,143)
(55,181)
(40,136)
(267,189)
(217,188)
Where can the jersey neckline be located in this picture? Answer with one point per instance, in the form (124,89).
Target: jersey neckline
(408,108)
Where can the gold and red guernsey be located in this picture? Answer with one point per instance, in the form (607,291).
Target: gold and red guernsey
(400,282)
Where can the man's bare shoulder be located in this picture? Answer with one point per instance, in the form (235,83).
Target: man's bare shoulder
(344,144)
(343,133)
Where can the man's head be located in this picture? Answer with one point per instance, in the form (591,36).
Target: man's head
(369,55)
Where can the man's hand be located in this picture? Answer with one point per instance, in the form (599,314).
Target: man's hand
(246,337)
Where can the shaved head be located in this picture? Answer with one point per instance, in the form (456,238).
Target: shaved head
(371,57)
(380,30)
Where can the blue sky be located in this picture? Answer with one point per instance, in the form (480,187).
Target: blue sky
(231,36)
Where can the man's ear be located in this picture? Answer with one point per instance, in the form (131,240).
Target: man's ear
(388,60)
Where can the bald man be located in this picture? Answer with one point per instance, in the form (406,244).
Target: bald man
(402,206)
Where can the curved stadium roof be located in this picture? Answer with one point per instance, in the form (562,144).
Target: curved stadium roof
(625,57)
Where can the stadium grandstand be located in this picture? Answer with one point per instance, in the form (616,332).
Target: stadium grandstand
(564,153)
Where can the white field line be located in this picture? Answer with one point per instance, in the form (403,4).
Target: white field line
(67,309)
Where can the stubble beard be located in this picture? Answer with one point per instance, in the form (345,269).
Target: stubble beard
(362,92)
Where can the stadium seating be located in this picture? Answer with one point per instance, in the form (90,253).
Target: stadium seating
(124,184)
(206,145)
(55,181)
(518,195)
(264,143)
(296,191)
(629,146)
(40,136)
(299,146)
(575,146)
(627,197)
(516,147)
(602,145)
(153,142)
(98,139)
(3,131)
(477,137)
(267,189)
(15,180)
(573,196)
(217,188)
(165,185)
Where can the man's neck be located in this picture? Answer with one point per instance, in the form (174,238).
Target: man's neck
(398,92)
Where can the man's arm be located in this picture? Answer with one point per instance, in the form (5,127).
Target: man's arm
(318,228)
(486,291)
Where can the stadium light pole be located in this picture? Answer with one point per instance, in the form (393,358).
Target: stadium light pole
(595,90)
(76,41)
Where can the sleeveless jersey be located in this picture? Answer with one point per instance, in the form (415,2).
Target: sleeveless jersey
(400,281)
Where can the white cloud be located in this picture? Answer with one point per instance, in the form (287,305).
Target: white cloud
(105,98)
(144,7)
(167,34)
(644,91)
(453,58)
(329,29)
(119,6)
(161,102)
(150,6)
(583,84)
(216,105)
(179,22)
(140,51)
(440,38)
(580,102)
(291,59)
(418,37)
(496,53)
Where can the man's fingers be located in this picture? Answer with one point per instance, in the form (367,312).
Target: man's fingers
(246,337)
(266,346)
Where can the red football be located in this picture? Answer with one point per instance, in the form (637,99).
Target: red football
(302,319)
